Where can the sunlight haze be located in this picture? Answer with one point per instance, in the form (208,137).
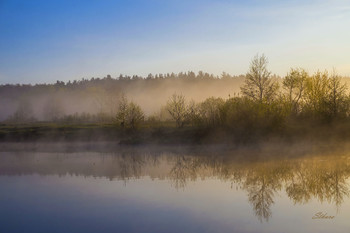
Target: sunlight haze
(45,41)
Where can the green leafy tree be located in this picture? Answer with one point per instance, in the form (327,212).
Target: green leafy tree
(193,113)
(210,111)
(134,115)
(129,114)
(122,111)
(294,84)
(317,95)
(337,100)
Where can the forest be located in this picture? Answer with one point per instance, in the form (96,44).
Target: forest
(181,108)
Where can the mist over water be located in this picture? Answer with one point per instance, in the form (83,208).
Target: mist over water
(268,178)
(264,149)
(133,189)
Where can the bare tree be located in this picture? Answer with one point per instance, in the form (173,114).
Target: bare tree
(258,84)
(177,108)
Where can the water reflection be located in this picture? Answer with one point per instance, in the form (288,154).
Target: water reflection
(320,177)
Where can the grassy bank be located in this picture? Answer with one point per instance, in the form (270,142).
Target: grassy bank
(169,134)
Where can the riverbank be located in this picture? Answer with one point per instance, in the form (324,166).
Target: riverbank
(168,134)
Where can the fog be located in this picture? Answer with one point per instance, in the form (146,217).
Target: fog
(45,102)
(304,175)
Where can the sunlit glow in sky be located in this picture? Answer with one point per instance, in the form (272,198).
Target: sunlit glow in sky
(45,41)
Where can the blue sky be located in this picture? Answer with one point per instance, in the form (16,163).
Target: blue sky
(44,41)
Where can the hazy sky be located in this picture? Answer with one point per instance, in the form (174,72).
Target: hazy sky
(48,40)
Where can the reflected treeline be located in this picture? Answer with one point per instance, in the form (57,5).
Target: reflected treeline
(320,177)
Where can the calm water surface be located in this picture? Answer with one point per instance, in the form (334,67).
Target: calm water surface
(173,191)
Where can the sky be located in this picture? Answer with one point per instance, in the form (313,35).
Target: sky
(43,41)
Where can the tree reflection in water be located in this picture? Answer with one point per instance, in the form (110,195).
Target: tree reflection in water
(321,177)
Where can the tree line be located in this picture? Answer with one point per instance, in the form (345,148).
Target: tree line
(100,96)
(265,103)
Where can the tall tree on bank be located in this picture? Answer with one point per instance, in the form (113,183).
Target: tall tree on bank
(258,84)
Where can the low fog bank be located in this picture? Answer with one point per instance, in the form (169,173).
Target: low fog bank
(184,108)
(48,102)
(98,99)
